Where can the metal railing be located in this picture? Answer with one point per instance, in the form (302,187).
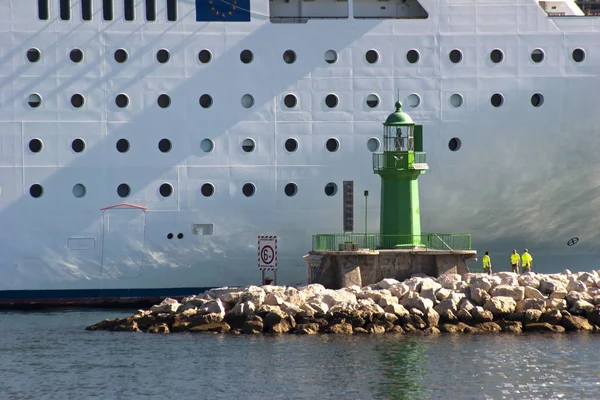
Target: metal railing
(374,241)
(397,160)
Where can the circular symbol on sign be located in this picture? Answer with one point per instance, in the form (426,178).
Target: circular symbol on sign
(573,241)
(267,255)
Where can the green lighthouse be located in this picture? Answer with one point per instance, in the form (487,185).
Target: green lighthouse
(399,166)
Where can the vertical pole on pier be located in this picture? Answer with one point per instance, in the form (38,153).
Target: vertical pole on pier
(399,166)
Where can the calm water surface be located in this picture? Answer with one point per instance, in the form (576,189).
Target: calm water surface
(51,356)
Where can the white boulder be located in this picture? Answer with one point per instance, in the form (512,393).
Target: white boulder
(387,283)
(515,292)
(500,306)
(168,305)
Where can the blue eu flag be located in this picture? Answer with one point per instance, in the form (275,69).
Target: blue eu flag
(223,10)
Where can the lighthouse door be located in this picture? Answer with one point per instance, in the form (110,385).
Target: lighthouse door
(123,243)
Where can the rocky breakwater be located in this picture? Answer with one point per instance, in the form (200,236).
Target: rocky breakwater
(473,303)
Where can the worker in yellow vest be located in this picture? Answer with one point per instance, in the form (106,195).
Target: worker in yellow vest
(515,260)
(487,263)
(526,261)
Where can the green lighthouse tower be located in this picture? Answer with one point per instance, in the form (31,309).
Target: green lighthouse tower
(399,166)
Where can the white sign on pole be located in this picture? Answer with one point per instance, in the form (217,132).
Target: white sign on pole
(267,253)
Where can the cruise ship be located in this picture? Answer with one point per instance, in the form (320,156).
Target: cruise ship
(145,144)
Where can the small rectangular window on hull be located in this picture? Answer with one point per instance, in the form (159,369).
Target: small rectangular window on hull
(43,9)
(107,10)
(65,10)
(129,10)
(86,10)
(171,10)
(150,10)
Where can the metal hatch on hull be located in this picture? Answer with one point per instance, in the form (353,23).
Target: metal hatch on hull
(123,241)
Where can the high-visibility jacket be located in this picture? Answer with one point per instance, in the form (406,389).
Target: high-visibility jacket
(515,258)
(486,261)
(527,259)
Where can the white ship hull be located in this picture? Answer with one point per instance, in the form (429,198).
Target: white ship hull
(524,176)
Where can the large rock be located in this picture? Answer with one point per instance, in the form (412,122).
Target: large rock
(588,279)
(168,305)
(432,318)
(531,315)
(399,290)
(559,304)
(543,327)
(479,296)
(307,329)
(529,280)
(449,281)
(339,297)
(548,286)
(419,303)
(430,284)
(387,283)
(443,294)
(481,315)
(480,283)
(533,293)
(243,309)
(515,292)
(576,286)
(581,307)
(553,317)
(397,309)
(559,293)
(531,304)
(254,294)
(500,306)
(574,323)
(444,305)
(342,328)
(574,296)
(212,307)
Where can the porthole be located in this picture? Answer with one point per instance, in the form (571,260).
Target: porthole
(454,144)
(247,101)
(248,145)
(206,101)
(163,56)
(456,100)
(413,56)
(246,56)
(122,100)
(36,190)
(331,100)
(456,56)
(496,56)
(77,100)
(413,100)
(180,236)
(290,101)
(291,189)
(537,100)
(537,55)
(35,145)
(34,100)
(123,190)
(122,145)
(373,144)
(289,56)
(291,145)
(33,55)
(497,100)
(79,190)
(331,56)
(205,56)
(169,236)
(372,100)
(164,145)
(165,190)
(331,189)
(207,190)
(164,101)
(578,55)
(78,145)
(372,56)
(76,55)
(332,145)
(248,189)
(207,145)
(121,56)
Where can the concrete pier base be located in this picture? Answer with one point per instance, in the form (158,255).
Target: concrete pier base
(338,269)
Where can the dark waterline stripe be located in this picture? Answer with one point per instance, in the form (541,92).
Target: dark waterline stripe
(40,299)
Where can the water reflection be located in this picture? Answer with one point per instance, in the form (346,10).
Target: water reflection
(403,368)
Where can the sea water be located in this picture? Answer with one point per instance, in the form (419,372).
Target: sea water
(49,355)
